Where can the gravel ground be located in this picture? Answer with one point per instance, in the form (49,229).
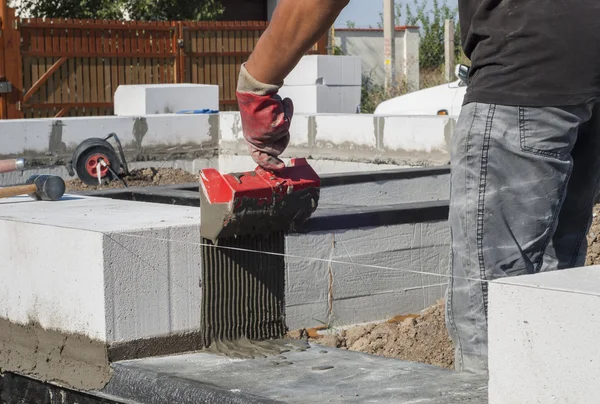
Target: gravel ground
(416,338)
(593,256)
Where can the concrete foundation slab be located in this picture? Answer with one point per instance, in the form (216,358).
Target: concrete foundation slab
(543,333)
(316,375)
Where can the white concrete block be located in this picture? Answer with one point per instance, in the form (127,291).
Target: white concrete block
(27,136)
(326,70)
(151,99)
(52,276)
(299,131)
(99,267)
(543,338)
(312,99)
(374,274)
(416,134)
(229,163)
(351,131)
(230,127)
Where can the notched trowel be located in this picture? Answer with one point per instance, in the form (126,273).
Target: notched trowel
(257,202)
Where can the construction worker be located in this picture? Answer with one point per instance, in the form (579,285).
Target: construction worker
(525,153)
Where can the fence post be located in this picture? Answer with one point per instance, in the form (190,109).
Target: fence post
(179,49)
(449,51)
(331,40)
(3,97)
(411,58)
(11,58)
(322,45)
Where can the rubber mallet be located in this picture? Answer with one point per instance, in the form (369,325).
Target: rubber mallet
(39,187)
(7,166)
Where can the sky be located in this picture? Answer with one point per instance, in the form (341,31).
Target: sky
(366,12)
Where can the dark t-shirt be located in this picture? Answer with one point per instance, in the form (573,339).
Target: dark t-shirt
(532,52)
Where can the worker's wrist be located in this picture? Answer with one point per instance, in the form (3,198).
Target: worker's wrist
(248,84)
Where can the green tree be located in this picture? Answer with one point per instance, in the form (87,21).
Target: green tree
(149,10)
(174,10)
(82,9)
(397,16)
(431,23)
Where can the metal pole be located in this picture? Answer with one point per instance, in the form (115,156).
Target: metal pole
(449,50)
(389,41)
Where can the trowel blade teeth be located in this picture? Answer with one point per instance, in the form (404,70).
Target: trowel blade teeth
(250,216)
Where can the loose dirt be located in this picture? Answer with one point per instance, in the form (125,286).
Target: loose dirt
(593,238)
(144,177)
(416,338)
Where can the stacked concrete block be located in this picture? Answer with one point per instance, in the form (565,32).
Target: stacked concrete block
(325,84)
(543,338)
(152,99)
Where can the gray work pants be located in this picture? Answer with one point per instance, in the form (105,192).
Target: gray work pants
(523,186)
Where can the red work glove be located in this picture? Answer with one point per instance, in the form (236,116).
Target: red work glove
(265,119)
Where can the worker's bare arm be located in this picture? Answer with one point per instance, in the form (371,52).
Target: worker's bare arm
(295,27)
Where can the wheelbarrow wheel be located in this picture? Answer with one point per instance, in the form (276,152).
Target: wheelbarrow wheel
(87,156)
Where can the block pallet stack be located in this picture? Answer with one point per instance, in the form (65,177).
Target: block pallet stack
(325,84)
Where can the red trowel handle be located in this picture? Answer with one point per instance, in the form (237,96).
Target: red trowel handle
(7,166)
(257,202)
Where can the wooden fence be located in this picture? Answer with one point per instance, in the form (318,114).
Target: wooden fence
(61,67)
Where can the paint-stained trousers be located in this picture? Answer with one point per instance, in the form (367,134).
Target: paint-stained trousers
(524,182)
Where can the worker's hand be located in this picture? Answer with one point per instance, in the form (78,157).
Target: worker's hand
(266,120)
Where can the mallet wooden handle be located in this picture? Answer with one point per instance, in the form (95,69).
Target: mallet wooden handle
(6,166)
(17,190)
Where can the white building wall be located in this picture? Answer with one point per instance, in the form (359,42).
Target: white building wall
(368,44)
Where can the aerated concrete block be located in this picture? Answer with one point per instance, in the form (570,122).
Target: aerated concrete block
(102,274)
(363,275)
(312,99)
(152,99)
(543,338)
(326,70)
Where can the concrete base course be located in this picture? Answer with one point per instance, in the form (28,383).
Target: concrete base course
(543,338)
(317,374)
(348,138)
(72,359)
